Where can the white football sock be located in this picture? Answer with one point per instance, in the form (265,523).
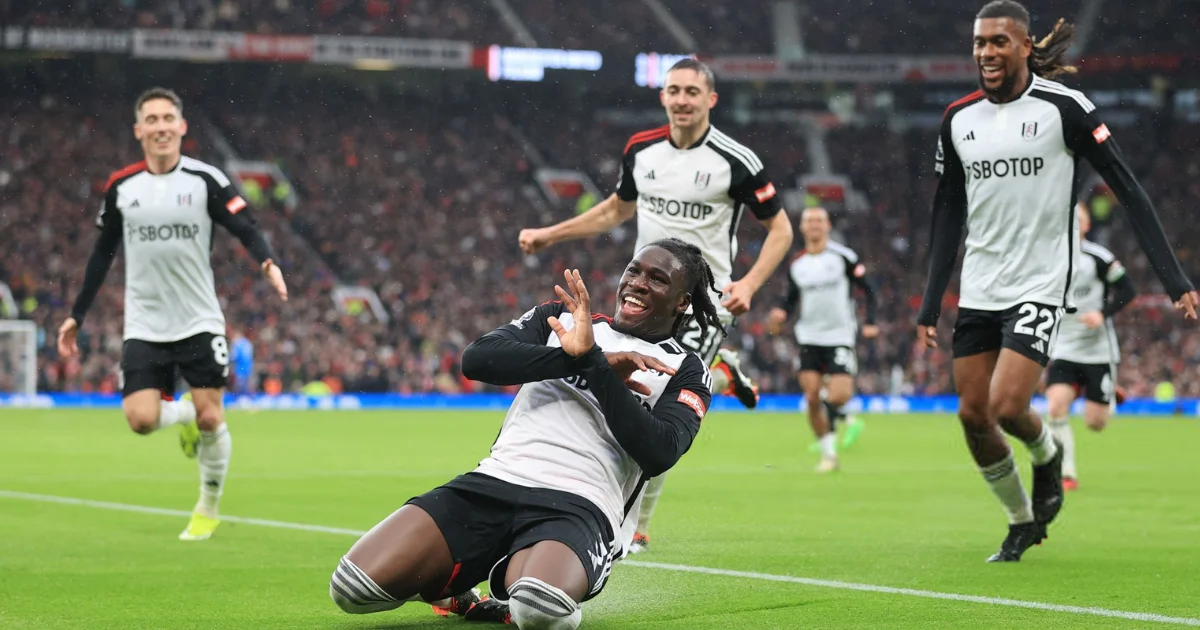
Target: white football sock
(720,381)
(175,412)
(213,456)
(1002,477)
(829,445)
(537,605)
(1042,449)
(356,593)
(1061,428)
(649,501)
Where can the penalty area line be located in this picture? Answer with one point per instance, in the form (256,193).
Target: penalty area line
(678,568)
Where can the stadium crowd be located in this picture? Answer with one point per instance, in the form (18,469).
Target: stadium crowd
(716,27)
(423,203)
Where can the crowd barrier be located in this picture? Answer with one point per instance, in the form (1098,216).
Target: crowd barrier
(500,402)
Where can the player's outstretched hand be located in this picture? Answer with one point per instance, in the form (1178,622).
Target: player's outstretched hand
(533,240)
(275,277)
(737,297)
(870,331)
(68,345)
(1188,304)
(579,340)
(624,364)
(927,336)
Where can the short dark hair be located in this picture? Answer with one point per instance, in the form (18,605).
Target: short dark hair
(700,284)
(1004,9)
(700,68)
(1049,58)
(153,94)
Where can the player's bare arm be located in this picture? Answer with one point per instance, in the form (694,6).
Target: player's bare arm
(740,293)
(601,218)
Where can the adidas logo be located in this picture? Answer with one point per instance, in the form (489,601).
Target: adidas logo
(650,175)
(969,136)
(1040,346)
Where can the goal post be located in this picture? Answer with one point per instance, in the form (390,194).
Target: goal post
(18,357)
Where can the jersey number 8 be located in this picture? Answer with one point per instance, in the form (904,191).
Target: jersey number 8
(845,358)
(220,349)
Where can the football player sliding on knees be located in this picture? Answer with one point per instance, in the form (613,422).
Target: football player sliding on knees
(604,405)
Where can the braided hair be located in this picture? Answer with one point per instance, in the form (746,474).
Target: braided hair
(1049,58)
(700,284)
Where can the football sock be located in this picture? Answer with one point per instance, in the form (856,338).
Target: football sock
(1061,429)
(356,593)
(649,501)
(1042,449)
(172,412)
(829,445)
(213,456)
(1005,483)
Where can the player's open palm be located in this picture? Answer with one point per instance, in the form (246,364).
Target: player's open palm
(580,339)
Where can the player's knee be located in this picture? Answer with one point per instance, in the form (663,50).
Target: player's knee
(973,415)
(142,421)
(209,419)
(1005,409)
(838,398)
(536,605)
(356,593)
(1096,423)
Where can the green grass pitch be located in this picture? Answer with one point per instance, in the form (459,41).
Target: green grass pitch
(908,510)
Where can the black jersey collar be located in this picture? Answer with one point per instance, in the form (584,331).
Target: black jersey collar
(1025,92)
(178,164)
(697,142)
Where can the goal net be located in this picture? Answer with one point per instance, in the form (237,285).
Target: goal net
(18,357)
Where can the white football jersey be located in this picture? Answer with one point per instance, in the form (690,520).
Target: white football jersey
(555,435)
(1098,270)
(822,284)
(697,194)
(167,221)
(1014,166)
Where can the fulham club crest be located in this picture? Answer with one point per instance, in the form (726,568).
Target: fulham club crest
(702,180)
(1029,130)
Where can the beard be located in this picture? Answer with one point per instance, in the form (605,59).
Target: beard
(1004,89)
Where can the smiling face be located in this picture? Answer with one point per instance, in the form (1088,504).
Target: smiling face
(814,225)
(1002,49)
(687,97)
(652,293)
(160,127)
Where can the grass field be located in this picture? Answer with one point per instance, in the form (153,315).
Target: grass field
(907,511)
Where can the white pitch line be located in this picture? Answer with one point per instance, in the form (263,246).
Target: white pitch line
(681,568)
